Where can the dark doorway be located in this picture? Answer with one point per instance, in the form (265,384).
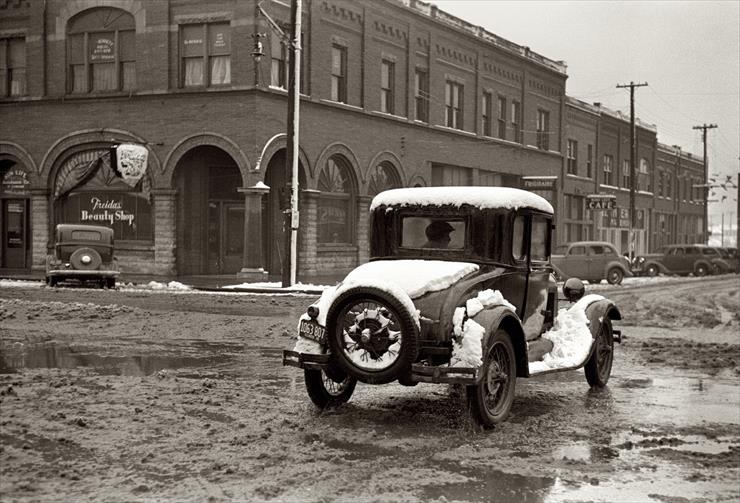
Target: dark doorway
(277,200)
(14,233)
(210,222)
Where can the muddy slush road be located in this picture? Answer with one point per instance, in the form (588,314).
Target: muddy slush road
(136,395)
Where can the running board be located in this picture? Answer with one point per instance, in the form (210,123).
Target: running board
(305,360)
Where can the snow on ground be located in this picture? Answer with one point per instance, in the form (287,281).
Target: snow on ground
(277,286)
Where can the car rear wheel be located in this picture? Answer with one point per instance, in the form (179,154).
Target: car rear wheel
(598,369)
(490,400)
(652,270)
(701,270)
(372,335)
(325,391)
(614,276)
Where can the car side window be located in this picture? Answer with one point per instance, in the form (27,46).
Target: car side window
(692,250)
(578,250)
(518,243)
(597,250)
(610,251)
(540,231)
(677,251)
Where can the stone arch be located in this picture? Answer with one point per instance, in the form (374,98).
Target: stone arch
(383,157)
(274,145)
(14,152)
(206,139)
(417,180)
(92,136)
(73,7)
(344,151)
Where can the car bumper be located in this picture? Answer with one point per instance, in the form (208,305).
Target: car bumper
(77,273)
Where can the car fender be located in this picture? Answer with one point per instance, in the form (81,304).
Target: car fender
(497,317)
(627,273)
(704,262)
(596,311)
(657,264)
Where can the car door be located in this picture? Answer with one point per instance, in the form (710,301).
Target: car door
(576,262)
(673,258)
(596,262)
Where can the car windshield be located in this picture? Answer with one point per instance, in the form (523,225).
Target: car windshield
(438,233)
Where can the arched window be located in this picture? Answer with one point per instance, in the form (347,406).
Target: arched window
(336,203)
(383,177)
(101,51)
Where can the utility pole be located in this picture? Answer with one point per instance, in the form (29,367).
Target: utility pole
(633,157)
(705,185)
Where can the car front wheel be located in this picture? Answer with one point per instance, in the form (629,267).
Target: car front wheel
(614,276)
(652,271)
(326,391)
(490,400)
(599,367)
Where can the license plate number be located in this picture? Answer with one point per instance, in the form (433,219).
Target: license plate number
(312,330)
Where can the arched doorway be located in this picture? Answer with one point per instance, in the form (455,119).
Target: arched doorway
(278,199)
(210,216)
(15,229)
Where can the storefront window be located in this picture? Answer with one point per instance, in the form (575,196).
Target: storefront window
(384,177)
(336,203)
(87,191)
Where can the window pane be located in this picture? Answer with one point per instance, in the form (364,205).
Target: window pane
(102,47)
(539,239)
(219,39)
(333,220)
(220,70)
(104,77)
(126,46)
(17,81)
(78,79)
(192,40)
(518,239)
(437,233)
(129,75)
(193,72)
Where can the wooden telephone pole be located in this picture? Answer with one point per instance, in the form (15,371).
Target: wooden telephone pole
(705,184)
(633,158)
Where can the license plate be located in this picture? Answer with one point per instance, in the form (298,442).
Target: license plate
(312,330)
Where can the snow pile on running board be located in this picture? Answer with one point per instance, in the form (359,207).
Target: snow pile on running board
(570,336)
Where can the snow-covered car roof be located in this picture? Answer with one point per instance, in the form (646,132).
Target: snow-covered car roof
(481,197)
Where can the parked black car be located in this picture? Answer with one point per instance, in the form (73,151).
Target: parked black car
(459,289)
(677,259)
(83,253)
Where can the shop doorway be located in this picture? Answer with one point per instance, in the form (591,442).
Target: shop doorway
(15,234)
(210,222)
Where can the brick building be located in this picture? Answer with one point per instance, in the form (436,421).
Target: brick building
(394,93)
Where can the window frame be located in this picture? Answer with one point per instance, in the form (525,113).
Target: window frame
(8,69)
(516,120)
(486,111)
(387,86)
(572,157)
(338,80)
(350,198)
(501,117)
(543,129)
(421,95)
(206,56)
(454,104)
(607,168)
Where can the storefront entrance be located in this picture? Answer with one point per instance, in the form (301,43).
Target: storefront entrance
(14,233)
(225,236)
(15,230)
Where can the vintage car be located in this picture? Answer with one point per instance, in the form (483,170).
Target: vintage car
(733,257)
(676,259)
(83,253)
(459,289)
(592,261)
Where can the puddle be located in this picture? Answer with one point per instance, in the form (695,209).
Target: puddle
(18,357)
(583,451)
(489,485)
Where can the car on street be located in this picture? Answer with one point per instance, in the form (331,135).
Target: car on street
(459,289)
(733,257)
(681,259)
(84,254)
(592,261)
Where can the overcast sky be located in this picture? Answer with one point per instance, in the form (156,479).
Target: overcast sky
(687,52)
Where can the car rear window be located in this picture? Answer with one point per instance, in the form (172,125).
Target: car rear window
(433,232)
(85,236)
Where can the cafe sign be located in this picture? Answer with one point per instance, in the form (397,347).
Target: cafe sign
(601,202)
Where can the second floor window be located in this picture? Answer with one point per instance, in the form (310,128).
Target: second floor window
(543,129)
(626,174)
(486,118)
(421,95)
(387,84)
(278,62)
(453,105)
(101,51)
(589,160)
(608,161)
(339,73)
(501,133)
(12,67)
(206,54)
(516,120)
(572,157)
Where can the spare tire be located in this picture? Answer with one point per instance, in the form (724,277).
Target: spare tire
(85,259)
(372,335)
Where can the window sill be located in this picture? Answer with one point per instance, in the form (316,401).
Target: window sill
(122,245)
(336,247)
